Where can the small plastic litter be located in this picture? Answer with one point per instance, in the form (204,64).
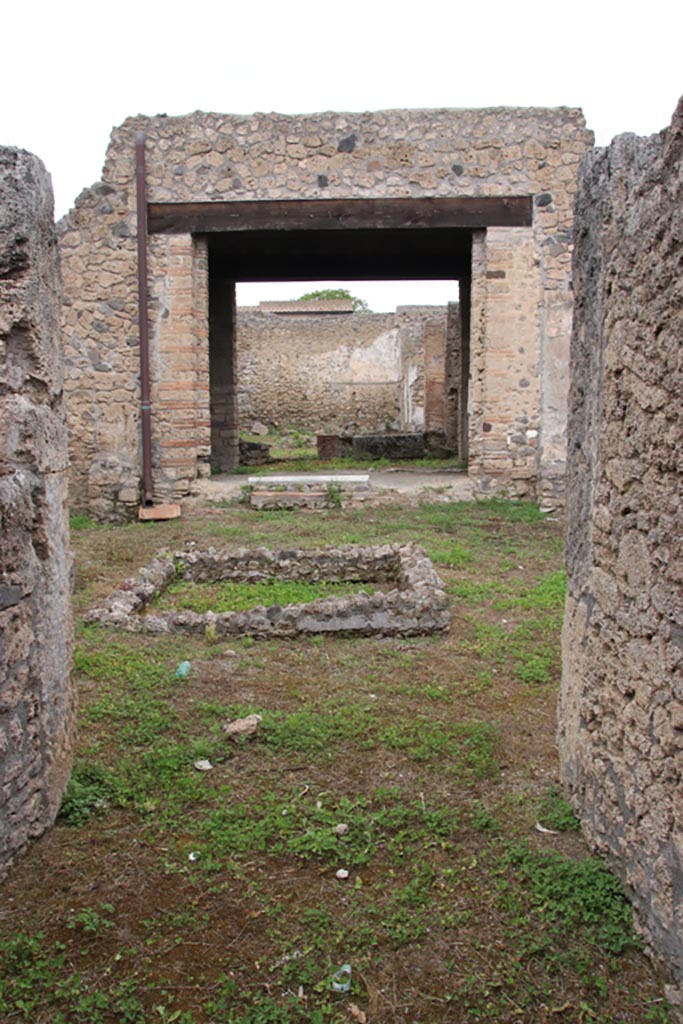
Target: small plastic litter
(193,856)
(183,670)
(203,766)
(358,1014)
(342,874)
(341,979)
(544,830)
(294,955)
(341,829)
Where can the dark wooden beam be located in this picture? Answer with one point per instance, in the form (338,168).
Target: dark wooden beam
(466,212)
(341,255)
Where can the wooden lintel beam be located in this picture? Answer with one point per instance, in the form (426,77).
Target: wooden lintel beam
(467,212)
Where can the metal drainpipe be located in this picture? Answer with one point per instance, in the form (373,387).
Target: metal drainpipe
(145,404)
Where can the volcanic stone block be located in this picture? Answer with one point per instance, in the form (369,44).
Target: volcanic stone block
(388,446)
(36,701)
(621,711)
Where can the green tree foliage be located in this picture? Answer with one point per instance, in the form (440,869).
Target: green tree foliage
(359,305)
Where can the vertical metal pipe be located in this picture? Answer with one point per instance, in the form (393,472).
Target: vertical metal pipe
(145,404)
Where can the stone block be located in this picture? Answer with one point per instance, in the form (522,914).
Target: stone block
(36,700)
(388,446)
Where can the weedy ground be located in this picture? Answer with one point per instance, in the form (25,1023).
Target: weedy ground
(165,893)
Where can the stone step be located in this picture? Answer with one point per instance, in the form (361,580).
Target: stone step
(266,500)
(311,481)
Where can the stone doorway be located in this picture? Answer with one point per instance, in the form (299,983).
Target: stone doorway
(383,377)
(353,240)
(392,239)
(484,197)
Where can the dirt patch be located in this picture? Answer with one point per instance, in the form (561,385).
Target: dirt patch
(173,894)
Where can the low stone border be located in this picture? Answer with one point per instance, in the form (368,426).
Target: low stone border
(418,604)
(347,482)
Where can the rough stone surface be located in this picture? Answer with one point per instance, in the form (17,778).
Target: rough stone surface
(253,453)
(390,446)
(276,501)
(520,282)
(243,728)
(36,704)
(417,605)
(331,373)
(621,712)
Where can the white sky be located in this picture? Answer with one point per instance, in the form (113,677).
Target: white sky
(71,70)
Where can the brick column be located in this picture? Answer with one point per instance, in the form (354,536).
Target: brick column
(435,374)
(506,344)
(180,434)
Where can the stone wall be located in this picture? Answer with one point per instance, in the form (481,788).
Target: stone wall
(621,713)
(330,373)
(36,704)
(520,287)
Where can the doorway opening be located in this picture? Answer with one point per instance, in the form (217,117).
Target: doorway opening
(341,370)
(401,239)
(365,373)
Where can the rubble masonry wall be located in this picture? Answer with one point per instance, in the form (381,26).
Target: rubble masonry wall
(36,703)
(334,372)
(521,288)
(621,711)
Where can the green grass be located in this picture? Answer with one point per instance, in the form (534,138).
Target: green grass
(231,596)
(555,812)
(312,464)
(582,895)
(463,749)
(81,521)
(531,646)
(304,828)
(428,750)
(318,730)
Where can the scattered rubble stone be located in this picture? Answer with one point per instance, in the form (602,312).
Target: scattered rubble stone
(253,453)
(243,728)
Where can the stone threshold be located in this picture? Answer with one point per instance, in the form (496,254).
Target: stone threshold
(310,481)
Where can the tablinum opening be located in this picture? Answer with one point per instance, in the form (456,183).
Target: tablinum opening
(322,239)
(305,255)
(341,239)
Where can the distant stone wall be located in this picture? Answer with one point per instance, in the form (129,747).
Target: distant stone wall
(621,712)
(520,286)
(329,373)
(36,703)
